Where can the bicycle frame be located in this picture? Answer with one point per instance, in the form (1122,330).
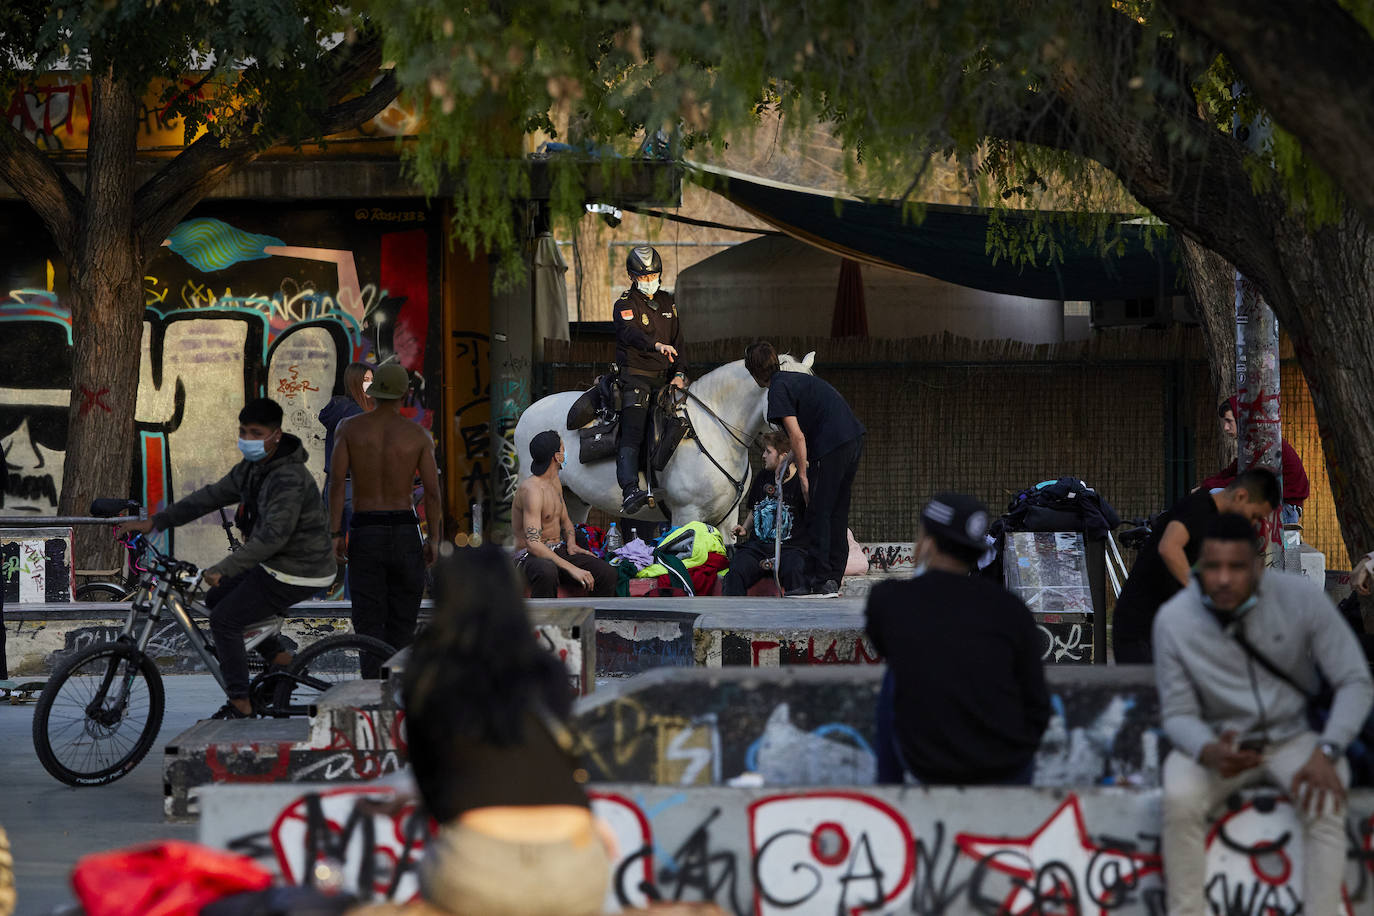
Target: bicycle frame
(158,596)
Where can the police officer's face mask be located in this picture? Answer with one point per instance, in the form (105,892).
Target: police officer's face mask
(648,286)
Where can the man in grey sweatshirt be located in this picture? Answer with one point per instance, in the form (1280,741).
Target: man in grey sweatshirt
(1233,723)
(288,555)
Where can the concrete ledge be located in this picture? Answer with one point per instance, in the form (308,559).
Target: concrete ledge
(39,637)
(814,725)
(774,851)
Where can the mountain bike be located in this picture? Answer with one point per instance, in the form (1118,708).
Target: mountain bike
(102,707)
(124,588)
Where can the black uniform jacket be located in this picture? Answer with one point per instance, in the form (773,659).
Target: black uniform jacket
(641,322)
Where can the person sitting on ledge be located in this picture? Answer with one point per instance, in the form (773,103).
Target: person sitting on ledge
(964,701)
(772,509)
(545,536)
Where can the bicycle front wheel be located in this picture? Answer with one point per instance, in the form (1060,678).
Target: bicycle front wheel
(98,715)
(326,662)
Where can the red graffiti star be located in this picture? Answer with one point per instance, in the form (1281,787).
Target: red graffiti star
(1100,874)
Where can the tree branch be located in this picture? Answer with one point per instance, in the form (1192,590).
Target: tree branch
(37,179)
(184,181)
(1305,66)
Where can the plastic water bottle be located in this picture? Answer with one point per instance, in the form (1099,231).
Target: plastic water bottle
(613,539)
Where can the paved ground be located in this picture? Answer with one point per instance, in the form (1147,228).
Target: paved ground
(51,825)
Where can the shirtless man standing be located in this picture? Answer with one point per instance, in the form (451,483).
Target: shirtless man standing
(386,557)
(544,533)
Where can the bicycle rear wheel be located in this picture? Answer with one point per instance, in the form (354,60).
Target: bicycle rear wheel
(99,715)
(326,662)
(102,591)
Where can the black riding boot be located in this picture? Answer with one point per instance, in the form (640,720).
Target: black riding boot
(627,475)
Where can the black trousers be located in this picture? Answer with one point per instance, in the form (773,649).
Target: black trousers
(636,395)
(4,671)
(746,567)
(827,514)
(386,578)
(238,602)
(544,575)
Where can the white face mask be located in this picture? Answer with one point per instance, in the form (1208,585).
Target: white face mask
(647,287)
(366,385)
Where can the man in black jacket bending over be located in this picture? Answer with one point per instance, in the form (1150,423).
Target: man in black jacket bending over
(964,701)
(288,555)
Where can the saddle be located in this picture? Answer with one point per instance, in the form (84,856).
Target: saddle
(595,415)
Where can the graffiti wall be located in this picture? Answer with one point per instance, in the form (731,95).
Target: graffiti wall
(892,850)
(243,300)
(814,726)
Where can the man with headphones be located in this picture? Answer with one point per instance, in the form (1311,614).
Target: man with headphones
(1234,664)
(648,350)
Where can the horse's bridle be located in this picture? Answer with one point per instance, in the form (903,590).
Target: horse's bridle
(734,434)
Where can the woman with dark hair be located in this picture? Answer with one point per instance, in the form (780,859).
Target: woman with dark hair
(357,378)
(486,708)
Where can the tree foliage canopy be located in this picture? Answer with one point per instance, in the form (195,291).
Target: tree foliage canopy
(262,68)
(1011,83)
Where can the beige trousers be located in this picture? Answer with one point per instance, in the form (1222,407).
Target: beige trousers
(469,873)
(1191,791)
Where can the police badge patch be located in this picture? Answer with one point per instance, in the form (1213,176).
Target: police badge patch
(627,315)
(645,319)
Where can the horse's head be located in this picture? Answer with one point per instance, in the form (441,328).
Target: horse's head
(789,363)
(786,363)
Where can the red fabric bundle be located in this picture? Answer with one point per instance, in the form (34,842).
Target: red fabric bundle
(170,878)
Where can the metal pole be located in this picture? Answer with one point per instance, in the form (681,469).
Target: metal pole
(1259,427)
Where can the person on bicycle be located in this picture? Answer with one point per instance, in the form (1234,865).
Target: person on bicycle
(648,350)
(287,555)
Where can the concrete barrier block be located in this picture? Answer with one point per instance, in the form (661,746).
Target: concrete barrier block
(774,851)
(815,725)
(39,638)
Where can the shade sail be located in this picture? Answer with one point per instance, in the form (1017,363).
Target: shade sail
(951,243)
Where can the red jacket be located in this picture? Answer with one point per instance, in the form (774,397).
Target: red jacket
(1295,486)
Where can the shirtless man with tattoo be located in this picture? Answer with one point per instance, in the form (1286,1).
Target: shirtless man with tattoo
(547,541)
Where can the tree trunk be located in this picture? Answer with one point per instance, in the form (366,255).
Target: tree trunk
(1212,283)
(1324,298)
(107,321)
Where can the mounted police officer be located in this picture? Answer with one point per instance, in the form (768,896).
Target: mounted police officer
(648,350)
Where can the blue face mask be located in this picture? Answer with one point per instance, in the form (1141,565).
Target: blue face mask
(253,449)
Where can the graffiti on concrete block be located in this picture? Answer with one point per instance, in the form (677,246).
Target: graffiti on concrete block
(890,850)
(886,558)
(37,567)
(625,647)
(1064,642)
(772,651)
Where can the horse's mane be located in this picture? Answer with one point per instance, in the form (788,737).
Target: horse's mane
(710,384)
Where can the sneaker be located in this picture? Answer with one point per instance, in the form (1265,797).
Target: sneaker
(635,500)
(229,711)
(830,589)
(802,592)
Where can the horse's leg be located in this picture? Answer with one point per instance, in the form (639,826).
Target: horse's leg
(577,508)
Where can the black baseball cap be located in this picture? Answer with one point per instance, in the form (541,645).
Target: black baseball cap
(542,449)
(958,518)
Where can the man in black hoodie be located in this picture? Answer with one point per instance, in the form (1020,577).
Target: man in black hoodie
(965,700)
(287,556)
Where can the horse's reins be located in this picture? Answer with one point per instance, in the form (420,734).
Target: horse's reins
(734,434)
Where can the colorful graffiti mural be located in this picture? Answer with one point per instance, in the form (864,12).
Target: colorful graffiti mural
(886,850)
(241,302)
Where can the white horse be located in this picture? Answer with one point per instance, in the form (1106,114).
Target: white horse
(727,411)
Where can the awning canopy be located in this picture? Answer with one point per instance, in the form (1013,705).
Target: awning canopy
(951,243)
